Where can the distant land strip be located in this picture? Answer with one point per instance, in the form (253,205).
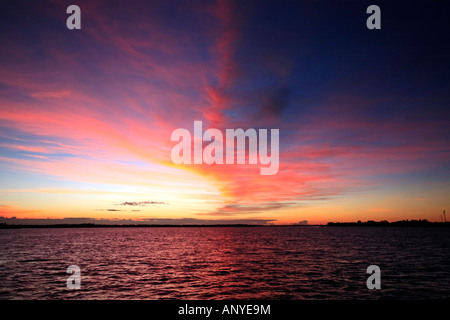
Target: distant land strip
(370,223)
(384,223)
(95,225)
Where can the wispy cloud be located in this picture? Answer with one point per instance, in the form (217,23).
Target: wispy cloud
(142,203)
(238,209)
(50,94)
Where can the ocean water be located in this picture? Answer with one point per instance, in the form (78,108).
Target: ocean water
(225,263)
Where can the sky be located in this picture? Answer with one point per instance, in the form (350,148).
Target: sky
(86,116)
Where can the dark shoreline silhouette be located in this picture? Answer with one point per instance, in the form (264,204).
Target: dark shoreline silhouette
(384,223)
(370,223)
(95,225)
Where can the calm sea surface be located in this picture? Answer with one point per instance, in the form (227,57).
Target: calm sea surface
(225,263)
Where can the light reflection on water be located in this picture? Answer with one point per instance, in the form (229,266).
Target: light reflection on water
(225,263)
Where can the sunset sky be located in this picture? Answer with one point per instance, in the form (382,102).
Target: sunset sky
(86,116)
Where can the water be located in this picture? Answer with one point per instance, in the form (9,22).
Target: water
(225,263)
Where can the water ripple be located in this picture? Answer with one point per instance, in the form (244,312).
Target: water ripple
(225,263)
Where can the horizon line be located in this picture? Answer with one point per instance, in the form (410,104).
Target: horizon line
(368,223)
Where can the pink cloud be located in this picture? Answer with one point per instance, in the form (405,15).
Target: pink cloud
(51,94)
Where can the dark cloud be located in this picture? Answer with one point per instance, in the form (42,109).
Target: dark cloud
(301,223)
(274,102)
